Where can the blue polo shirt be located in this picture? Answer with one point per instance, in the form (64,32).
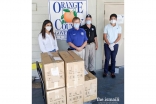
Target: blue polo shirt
(77,37)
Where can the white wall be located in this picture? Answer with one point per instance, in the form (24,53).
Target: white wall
(95,8)
(38,16)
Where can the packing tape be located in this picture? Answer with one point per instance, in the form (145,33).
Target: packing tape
(91,92)
(57,94)
(55,74)
(50,54)
(55,84)
(72,56)
(92,88)
(52,58)
(47,87)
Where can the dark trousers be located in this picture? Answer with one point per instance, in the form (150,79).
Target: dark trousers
(110,54)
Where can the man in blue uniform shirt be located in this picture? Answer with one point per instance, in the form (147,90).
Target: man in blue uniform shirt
(76,38)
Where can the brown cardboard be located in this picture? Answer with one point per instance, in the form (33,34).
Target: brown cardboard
(53,71)
(90,87)
(75,95)
(74,68)
(56,96)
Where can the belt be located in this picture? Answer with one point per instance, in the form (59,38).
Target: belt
(73,49)
(90,43)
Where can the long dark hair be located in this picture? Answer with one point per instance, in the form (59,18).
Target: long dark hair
(43,28)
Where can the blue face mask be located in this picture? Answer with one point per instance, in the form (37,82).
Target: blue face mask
(88,22)
(76,25)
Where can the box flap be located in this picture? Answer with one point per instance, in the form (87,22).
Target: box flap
(89,76)
(69,56)
(54,57)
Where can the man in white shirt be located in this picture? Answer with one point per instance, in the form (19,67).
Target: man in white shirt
(111,36)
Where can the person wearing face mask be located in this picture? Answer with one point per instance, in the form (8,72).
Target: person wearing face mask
(76,38)
(47,39)
(92,44)
(111,36)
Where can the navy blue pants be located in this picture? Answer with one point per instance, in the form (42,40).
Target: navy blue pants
(110,54)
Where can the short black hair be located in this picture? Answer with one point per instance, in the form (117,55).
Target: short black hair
(113,15)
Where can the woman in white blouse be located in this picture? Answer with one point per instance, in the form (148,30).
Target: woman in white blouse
(46,38)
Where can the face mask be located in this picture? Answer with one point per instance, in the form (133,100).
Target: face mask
(88,22)
(113,21)
(48,28)
(76,25)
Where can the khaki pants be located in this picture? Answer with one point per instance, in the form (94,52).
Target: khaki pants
(90,56)
(81,53)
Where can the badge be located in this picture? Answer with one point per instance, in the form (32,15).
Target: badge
(92,29)
(82,33)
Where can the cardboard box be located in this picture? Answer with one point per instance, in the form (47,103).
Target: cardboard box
(56,96)
(75,94)
(52,70)
(74,68)
(90,87)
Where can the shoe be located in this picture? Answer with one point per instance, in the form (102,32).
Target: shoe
(104,75)
(93,72)
(112,75)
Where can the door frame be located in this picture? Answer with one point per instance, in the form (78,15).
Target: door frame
(113,3)
(109,3)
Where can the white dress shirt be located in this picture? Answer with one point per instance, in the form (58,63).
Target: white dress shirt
(112,32)
(47,44)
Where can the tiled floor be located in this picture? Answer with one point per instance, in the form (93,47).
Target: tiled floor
(107,88)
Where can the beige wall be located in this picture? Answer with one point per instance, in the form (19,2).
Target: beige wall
(95,8)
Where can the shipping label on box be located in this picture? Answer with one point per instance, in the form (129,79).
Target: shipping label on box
(56,96)
(90,87)
(75,95)
(53,71)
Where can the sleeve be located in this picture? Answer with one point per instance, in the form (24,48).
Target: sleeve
(95,35)
(68,36)
(85,36)
(105,30)
(41,45)
(120,30)
(56,44)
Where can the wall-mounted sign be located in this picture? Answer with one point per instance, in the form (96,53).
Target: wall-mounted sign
(62,12)
(120,19)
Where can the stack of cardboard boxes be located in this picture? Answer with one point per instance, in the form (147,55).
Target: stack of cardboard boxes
(65,80)
(74,72)
(53,76)
(90,87)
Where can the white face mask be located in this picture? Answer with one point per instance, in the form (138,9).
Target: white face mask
(48,28)
(113,21)
(76,25)
(88,22)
